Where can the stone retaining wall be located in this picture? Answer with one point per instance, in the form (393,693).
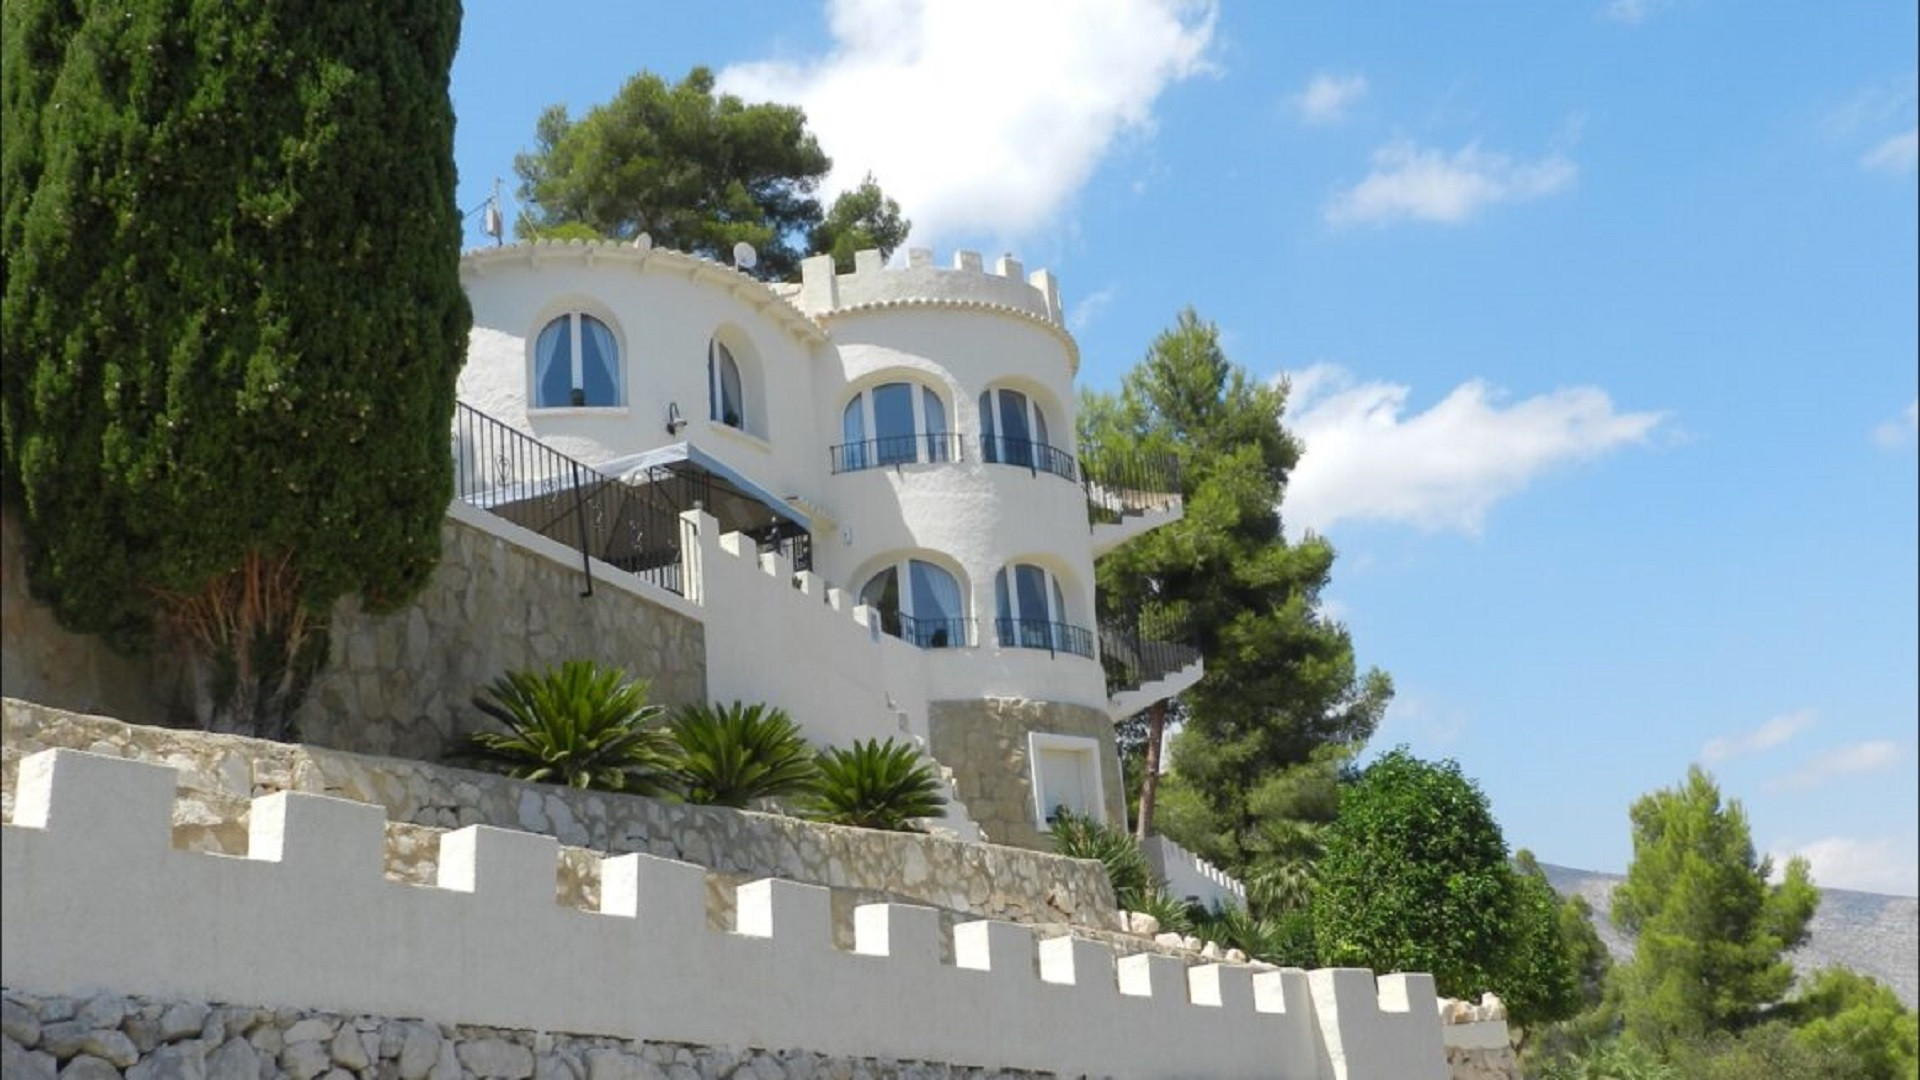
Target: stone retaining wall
(49,1036)
(985,744)
(219,773)
(399,684)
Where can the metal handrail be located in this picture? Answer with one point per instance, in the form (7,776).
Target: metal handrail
(930,633)
(509,473)
(1118,485)
(1145,644)
(1055,637)
(1036,457)
(895,451)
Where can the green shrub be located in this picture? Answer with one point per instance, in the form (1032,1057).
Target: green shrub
(733,755)
(1615,1059)
(1084,838)
(1175,915)
(580,724)
(876,785)
(1287,941)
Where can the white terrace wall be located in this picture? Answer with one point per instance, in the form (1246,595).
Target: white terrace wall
(220,773)
(96,898)
(1190,877)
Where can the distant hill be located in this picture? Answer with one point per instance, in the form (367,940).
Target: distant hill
(1869,933)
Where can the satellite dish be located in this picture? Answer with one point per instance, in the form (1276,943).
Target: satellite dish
(744,256)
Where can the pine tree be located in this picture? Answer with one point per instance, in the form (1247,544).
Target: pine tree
(696,171)
(1280,681)
(232,322)
(1712,932)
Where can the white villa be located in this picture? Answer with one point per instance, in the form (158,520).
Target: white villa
(898,443)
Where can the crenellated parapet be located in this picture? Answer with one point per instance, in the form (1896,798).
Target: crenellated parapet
(968,282)
(96,898)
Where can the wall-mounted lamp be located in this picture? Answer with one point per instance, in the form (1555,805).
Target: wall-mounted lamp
(674,420)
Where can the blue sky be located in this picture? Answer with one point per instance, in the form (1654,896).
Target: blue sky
(1600,319)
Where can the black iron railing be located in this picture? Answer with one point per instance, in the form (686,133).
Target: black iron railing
(1145,645)
(894,450)
(1055,637)
(1122,484)
(1036,457)
(929,633)
(511,474)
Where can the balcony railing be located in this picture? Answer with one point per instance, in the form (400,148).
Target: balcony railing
(509,473)
(1122,484)
(894,450)
(1145,645)
(1036,457)
(929,633)
(1055,637)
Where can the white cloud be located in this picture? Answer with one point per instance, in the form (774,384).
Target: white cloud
(1326,97)
(1878,865)
(1409,182)
(1765,737)
(1630,11)
(1849,760)
(1443,468)
(984,115)
(1900,430)
(1895,154)
(1089,309)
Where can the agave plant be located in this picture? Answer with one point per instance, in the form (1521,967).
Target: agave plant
(733,755)
(876,785)
(579,724)
(1084,838)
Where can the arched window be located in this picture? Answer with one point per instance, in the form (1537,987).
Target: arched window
(1013,431)
(929,611)
(1032,610)
(576,363)
(894,423)
(726,404)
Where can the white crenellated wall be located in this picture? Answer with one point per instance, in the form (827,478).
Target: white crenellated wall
(97,899)
(1190,877)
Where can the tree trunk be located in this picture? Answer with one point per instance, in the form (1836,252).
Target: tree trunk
(1156,727)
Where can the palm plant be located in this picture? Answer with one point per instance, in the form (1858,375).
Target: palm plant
(1084,838)
(876,785)
(1172,913)
(1270,940)
(579,724)
(733,755)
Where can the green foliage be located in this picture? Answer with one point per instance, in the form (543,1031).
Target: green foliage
(1712,933)
(1084,838)
(1541,976)
(697,171)
(579,724)
(232,319)
(736,754)
(1846,1017)
(1614,1059)
(1280,681)
(1768,1051)
(1174,915)
(1415,878)
(859,219)
(1286,940)
(876,785)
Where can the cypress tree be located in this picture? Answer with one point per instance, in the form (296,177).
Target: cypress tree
(232,322)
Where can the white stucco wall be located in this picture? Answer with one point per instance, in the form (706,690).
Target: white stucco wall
(1190,877)
(96,898)
(957,330)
